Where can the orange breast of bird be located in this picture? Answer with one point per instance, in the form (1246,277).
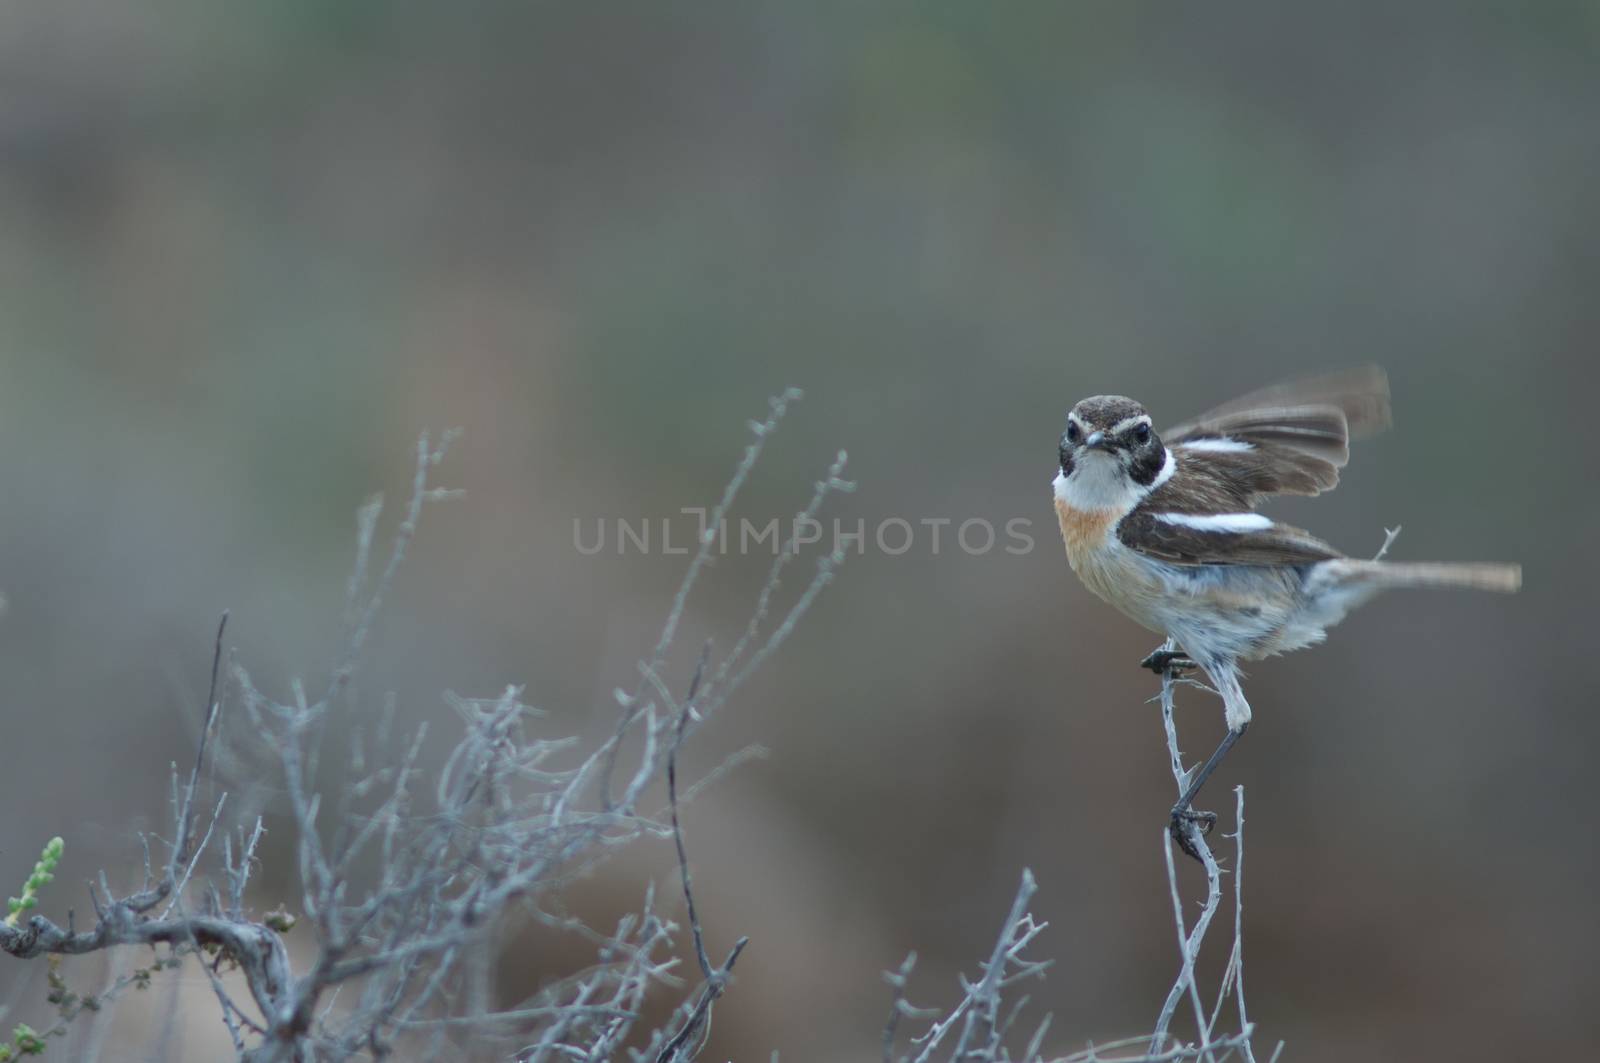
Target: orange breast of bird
(1109,569)
(1085,531)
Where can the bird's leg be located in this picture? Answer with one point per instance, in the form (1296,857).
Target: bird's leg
(1183,814)
(1163,661)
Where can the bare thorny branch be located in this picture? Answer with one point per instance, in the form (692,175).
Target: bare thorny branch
(400,882)
(985,1019)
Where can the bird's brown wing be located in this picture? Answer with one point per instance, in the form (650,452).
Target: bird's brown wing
(1290,438)
(1144,531)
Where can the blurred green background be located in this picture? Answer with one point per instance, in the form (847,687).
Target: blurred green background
(249,251)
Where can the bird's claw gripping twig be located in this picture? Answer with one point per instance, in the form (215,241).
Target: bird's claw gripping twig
(1185,819)
(1168,662)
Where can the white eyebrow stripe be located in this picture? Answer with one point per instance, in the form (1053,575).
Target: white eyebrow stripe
(1127,423)
(1217,522)
(1218,446)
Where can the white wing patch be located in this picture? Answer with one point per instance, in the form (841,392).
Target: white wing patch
(1217,446)
(1218,522)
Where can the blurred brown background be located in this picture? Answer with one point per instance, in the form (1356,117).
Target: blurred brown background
(249,251)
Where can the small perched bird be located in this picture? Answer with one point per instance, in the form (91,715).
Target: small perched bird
(1163,526)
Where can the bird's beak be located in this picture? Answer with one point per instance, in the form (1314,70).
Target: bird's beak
(1096,441)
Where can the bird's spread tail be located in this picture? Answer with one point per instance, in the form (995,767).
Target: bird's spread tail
(1469,575)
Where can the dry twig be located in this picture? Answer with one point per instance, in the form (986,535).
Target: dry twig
(986,1019)
(404,874)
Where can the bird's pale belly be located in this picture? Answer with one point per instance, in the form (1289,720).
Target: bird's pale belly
(1235,611)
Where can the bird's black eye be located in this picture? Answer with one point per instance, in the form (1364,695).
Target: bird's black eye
(1142,433)
(1072,432)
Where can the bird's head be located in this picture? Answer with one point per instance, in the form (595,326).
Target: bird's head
(1110,454)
